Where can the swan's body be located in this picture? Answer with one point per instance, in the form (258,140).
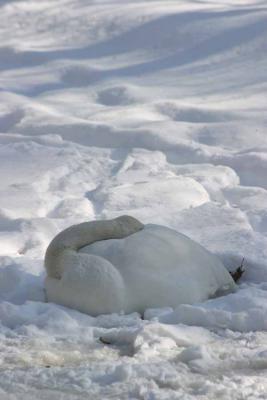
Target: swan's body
(121,265)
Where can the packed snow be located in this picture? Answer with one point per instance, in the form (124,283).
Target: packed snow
(155,109)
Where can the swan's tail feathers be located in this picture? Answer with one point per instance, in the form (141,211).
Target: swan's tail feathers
(66,244)
(94,286)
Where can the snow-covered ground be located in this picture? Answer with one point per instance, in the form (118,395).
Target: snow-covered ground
(155,109)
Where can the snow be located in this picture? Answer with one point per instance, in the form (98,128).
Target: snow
(243,311)
(155,109)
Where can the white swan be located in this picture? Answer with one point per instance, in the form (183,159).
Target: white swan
(122,265)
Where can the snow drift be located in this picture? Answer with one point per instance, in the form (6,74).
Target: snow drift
(136,267)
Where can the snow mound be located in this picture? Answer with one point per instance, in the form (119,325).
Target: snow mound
(17,285)
(150,199)
(244,311)
(196,115)
(156,337)
(152,267)
(116,96)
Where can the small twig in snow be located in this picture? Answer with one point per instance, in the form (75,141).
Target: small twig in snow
(236,275)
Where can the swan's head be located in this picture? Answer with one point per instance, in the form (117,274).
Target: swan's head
(128,225)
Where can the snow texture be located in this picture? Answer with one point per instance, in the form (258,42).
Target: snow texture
(154,109)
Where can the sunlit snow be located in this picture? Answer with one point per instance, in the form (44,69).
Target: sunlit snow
(155,109)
